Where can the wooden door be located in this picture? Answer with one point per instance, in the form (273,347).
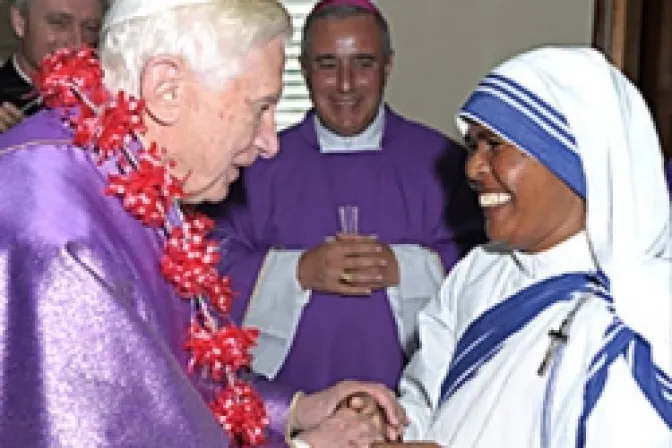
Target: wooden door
(637,36)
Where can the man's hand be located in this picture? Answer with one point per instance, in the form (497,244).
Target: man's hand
(10,116)
(367,405)
(346,428)
(349,265)
(311,410)
(384,271)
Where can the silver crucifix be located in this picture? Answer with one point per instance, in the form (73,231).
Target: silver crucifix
(560,336)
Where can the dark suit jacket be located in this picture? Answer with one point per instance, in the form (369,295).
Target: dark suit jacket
(15,89)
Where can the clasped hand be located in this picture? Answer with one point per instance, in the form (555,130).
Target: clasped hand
(349,414)
(354,265)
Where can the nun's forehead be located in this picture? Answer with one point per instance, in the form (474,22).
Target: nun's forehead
(516,102)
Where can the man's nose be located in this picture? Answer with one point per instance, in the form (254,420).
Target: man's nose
(266,140)
(74,38)
(345,77)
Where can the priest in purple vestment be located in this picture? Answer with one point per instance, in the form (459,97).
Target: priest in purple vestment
(91,341)
(336,244)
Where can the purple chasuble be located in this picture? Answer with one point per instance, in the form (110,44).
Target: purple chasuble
(668,176)
(91,341)
(291,202)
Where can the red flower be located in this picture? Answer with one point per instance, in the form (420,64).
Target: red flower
(66,75)
(222,351)
(241,412)
(121,121)
(190,260)
(148,191)
(220,294)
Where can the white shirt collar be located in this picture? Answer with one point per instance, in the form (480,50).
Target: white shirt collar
(369,140)
(21,73)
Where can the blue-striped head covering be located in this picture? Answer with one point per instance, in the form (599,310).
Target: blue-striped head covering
(533,124)
(579,116)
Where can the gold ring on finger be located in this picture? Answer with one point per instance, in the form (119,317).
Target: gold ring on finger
(345,277)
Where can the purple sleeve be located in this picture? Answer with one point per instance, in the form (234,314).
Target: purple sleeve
(81,368)
(668,175)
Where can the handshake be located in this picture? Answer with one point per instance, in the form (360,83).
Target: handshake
(349,414)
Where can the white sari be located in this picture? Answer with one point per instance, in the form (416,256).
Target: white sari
(609,384)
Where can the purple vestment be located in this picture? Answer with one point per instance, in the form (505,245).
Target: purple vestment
(668,176)
(91,336)
(402,191)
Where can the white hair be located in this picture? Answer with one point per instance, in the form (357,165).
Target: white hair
(213,38)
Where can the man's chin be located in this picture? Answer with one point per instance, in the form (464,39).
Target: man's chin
(212,195)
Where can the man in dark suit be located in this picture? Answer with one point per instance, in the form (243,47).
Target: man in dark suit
(42,26)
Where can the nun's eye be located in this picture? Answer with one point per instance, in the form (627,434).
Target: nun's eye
(494,145)
(470,145)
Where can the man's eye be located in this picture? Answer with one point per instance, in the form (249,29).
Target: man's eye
(365,63)
(57,22)
(326,65)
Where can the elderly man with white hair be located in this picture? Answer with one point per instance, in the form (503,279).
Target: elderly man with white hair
(115,329)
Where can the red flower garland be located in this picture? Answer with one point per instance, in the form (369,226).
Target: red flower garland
(71,81)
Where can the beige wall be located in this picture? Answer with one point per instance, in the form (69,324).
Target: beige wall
(445,46)
(6,34)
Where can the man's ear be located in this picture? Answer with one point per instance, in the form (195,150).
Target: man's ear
(389,62)
(163,88)
(305,69)
(18,21)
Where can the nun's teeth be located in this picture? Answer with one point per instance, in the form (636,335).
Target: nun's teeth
(493,199)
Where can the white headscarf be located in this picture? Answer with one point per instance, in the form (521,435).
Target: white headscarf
(580,117)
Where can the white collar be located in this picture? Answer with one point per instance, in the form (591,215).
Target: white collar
(572,255)
(21,73)
(368,140)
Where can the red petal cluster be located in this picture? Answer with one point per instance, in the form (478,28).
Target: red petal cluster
(72,80)
(190,260)
(68,74)
(241,411)
(148,191)
(120,122)
(222,351)
(220,294)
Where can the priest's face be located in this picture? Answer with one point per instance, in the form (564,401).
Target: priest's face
(525,205)
(346,68)
(47,25)
(212,132)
